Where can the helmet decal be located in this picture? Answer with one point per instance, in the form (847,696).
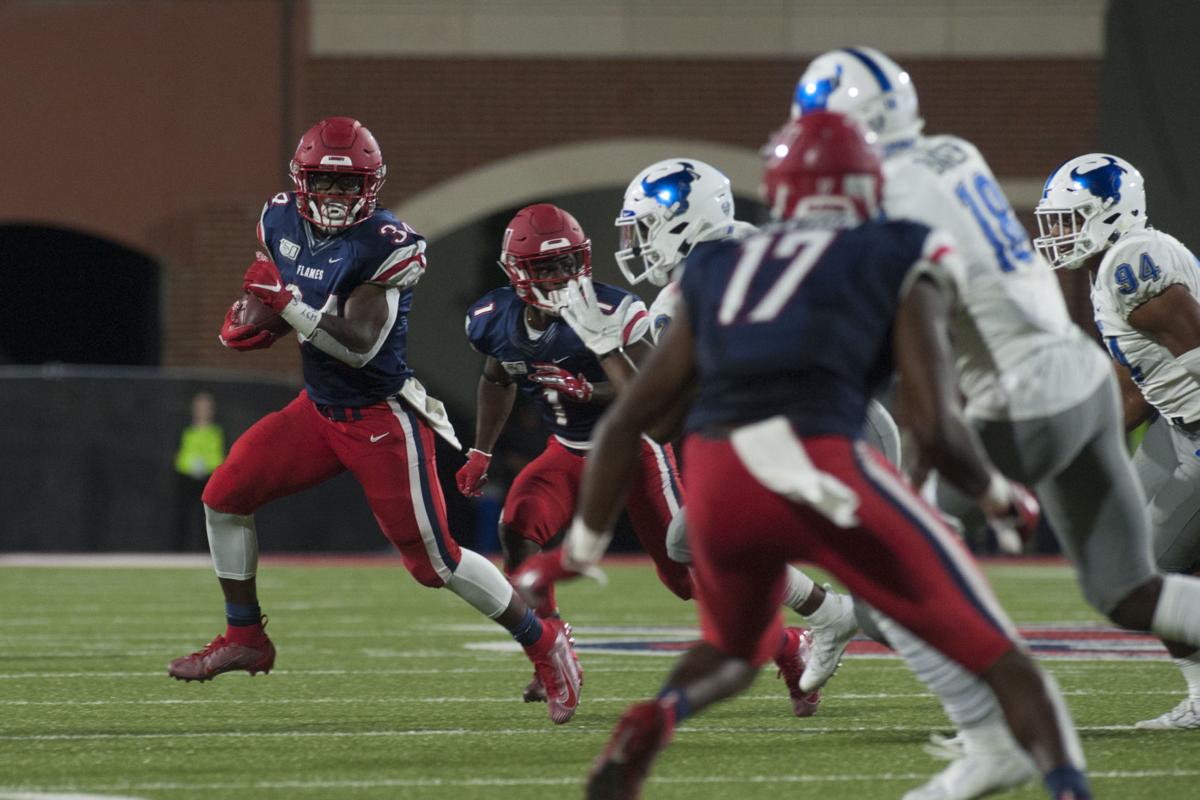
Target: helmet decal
(814,95)
(1104,182)
(672,189)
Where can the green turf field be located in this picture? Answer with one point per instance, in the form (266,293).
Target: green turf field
(377,694)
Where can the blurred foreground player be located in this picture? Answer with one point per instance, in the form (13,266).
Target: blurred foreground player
(773,460)
(341,273)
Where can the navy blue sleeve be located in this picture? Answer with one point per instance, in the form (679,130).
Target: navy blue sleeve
(481,317)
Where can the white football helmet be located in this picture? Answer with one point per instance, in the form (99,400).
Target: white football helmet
(865,84)
(1087,203)
(669,207)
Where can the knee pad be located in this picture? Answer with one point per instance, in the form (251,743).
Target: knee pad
(233,542)
(677,544)
(482,585)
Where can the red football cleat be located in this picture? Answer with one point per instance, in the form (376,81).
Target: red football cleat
(644,730)
(223,655)
(557,668)
(791,659)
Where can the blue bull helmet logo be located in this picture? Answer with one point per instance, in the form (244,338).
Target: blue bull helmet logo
(672,190)
(1103,182)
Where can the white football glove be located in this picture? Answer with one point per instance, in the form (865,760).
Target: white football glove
(600,332)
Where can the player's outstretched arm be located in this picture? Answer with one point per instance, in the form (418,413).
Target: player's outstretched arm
(664,380)
(1172,318)
(929,400)
(494,402)
(928,392)
(621,366)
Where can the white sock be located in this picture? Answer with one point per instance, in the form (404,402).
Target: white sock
(1190,667)
(966,699)
(481,584)
(989,734)
(799,587)
(1177,615)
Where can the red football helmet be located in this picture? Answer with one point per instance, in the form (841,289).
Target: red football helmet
(544,248)
(822,163)
(338,171)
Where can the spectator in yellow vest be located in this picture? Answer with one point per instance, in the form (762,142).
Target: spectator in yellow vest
(201,451)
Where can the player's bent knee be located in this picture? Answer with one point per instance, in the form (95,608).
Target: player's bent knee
(228,492)
(428,577)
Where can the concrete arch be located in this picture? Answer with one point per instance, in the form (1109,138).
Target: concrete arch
(565,169)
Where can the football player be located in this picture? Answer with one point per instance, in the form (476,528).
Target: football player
(670,209)
(567,344)
(785,337)
(1145,285)
(341,272)
(1039,392)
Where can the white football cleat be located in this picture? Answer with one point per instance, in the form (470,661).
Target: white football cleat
(829,640)
(977,774)
(1183,717)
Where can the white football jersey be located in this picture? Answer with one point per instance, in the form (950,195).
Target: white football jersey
(1019,354)
(662,310)
(1140,266)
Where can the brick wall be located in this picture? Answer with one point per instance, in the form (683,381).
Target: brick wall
(438,117)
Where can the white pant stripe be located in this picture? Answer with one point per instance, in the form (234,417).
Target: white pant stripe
(664,475)
(415,476)
(944,540)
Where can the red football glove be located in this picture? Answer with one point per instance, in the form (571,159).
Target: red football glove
(536,576)
(1012,513)
(575,387)
(263,280)
(243,337)
(473,476)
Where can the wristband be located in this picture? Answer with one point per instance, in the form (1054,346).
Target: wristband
(301,316)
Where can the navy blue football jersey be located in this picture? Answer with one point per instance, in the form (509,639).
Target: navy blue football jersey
(797,321)
(496,327)
(327,270)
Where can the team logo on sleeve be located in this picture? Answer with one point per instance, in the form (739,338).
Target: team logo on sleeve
(660,325)
(288,249)
(672,190)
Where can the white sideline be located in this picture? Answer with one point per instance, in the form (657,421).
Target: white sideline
(145,560)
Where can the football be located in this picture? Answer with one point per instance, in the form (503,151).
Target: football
(249,310)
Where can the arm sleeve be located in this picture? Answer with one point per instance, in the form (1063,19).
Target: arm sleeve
(940,262)
(478,318)
(636,323)
(402,267)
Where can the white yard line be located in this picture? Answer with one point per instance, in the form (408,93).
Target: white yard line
(509,698)
(542,730)
(857,777)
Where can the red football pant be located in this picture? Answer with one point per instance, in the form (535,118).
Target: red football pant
(390,451)
(542,499)
(899,557)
